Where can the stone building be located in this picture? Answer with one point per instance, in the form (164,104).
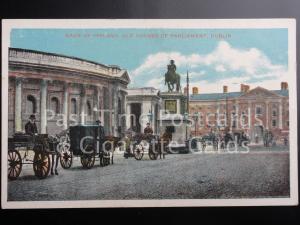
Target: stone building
(62,90)
(143,105)
(250,110)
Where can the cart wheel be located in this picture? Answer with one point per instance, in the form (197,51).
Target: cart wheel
(41,165)
(87,160)
(138,152)
(153,156)
(14,164)
(66,158)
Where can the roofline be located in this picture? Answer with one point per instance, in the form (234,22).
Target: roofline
(62,55)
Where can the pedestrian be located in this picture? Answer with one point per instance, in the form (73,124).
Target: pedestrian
(165,139)
(101,139)
(54,143)
(256,138)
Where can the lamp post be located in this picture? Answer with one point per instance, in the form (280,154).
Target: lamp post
(150,116)
(186,117)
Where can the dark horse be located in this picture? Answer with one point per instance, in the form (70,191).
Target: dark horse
(172,78)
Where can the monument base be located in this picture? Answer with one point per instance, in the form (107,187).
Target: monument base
(174,121)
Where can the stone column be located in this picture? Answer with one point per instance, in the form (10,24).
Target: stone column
(146,108)
(128,115)
(237,117)
(82,105)
(66,105)
(267,114)
(18,105)
(43,111)
(115,110)
(280,114)
(100,104)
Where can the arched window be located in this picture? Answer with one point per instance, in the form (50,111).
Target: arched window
(88,108)
(73,106)
(54,105)
(30,104)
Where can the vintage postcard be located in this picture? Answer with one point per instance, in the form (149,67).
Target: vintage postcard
(149,113)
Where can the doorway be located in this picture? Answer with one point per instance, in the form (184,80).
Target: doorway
(136,109)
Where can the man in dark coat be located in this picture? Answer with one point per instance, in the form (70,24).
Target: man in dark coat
(148,129)
(101,136)
(30,127)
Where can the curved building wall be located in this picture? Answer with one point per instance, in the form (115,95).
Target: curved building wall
(62,91)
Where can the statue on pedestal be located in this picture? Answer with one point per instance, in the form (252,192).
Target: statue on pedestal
(172,78)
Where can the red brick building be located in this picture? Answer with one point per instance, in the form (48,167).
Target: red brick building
(250,110)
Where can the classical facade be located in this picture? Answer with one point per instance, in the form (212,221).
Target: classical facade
(62,91)
(142,106)
(250,110)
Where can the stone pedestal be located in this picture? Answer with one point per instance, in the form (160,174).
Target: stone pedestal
(173,118)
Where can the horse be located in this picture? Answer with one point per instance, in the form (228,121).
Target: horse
(106,154)
(172,79)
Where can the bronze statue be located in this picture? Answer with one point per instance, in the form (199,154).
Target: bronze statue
(172,78)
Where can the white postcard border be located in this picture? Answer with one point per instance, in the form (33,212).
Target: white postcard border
(290,24)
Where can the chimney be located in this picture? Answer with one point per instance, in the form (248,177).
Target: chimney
(245,88)
(242,87)
(284,86)
(185,90)
(195,90)
(225,89)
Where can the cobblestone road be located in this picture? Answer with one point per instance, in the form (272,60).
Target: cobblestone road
(259,173)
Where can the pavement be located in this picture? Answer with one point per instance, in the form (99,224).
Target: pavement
(261,173)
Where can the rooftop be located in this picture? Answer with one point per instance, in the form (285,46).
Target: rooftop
(220,96)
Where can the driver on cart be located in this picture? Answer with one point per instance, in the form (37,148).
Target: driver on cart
(148,133)
(30,126)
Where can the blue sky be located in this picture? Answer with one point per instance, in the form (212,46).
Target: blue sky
(252,56)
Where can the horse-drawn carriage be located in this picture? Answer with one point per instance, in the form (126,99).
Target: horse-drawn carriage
(142,144)
(20,147)
(84,141)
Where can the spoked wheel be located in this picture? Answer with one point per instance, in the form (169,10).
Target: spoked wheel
(66,158)
(14,164)
(138,152)
(41,165)
(87,160)
(152,155)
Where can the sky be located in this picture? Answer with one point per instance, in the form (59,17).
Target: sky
(213,57)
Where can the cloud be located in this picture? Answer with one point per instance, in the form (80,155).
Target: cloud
(223,65)
(220,68)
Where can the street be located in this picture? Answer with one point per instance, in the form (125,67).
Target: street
(257,174)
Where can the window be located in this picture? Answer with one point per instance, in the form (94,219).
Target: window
(274,112)
(88,108)
(288,123)
(274,124)
(54,105)
(73,106)
(258,110)
(233,117)
(30,104)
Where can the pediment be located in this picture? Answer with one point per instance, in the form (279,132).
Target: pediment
(259,92)
(125,76)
